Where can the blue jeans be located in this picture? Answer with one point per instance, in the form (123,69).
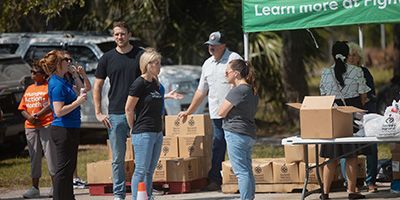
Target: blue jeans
(372,164)
(218,152)
(240,148)
(117,134)
(147,149)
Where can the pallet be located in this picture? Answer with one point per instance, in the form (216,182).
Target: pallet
(269,188)
(105,189)
(180,187)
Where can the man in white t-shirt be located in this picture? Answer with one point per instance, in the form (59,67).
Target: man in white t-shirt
(213,83)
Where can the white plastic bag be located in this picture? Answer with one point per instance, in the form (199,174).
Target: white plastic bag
(390,126)
(372,124)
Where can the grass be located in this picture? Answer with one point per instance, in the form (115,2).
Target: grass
(15,172)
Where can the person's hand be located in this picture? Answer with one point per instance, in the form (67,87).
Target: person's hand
(82,98)
(174,95)
(183,115)
(103,119)
(81,70)
(33,119)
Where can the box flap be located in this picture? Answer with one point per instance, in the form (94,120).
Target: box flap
(317,102)
(349,109)
(294,105)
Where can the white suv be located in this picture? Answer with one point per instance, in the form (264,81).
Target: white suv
(86,49)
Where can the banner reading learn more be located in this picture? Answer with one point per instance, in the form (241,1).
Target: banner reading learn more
(273,15)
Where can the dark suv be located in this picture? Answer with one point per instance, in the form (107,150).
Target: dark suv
(12,69)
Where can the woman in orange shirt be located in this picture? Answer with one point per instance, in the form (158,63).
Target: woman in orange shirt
(35,108)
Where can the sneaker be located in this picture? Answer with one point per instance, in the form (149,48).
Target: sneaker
(50,194)
(79,183)
(31,193)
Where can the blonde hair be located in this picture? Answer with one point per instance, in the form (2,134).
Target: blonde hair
(149,55)
(51,61)
(355,48)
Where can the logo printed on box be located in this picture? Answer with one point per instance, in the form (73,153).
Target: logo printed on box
(165,150)
(258,170)
(159,166)
(284,169)
(191,122)
(177,122)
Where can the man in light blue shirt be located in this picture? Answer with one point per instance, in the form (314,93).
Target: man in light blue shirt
(213,83)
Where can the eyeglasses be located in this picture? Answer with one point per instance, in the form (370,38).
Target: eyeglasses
(67,59)
(37,72)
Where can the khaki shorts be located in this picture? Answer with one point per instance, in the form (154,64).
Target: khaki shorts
(39,143)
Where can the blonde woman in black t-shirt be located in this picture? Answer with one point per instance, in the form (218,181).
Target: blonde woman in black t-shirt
(145,101)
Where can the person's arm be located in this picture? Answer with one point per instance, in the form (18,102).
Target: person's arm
(44,111)
(60,109)
(85,78)
(29,117)
(196,101)
(130,110)
(173,95)
(364,99)
(98,87)
(225,108)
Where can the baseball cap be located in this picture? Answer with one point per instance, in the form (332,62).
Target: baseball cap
(216,38)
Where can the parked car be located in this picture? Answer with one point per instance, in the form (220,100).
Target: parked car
(86,49)
(12,68)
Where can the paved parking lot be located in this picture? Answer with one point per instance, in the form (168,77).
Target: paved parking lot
(83,194)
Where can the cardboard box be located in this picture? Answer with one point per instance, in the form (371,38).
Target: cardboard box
(176,170)
(195,125)
(285,172)
(262,171)
(191,146)
(169,147)
(318,119)
(129,155)
(296,153)
(101,171)
(312,175)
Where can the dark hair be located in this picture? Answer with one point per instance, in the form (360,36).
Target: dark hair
(37,67)
(340,51)
(246,71)
(121,24)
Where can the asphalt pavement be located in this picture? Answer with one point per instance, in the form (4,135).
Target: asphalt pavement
(83,194)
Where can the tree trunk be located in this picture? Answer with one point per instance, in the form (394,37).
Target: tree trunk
(396,62)
(293,69)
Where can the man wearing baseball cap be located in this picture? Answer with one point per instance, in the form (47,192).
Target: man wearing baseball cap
(213,83)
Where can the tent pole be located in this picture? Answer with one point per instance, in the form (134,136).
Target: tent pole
(246,45)
(360,37)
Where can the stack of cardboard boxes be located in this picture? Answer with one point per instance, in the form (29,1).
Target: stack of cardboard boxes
(101,172)
(185,153)
(186,150)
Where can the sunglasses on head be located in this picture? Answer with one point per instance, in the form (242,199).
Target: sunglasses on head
(67,59)
(37,72)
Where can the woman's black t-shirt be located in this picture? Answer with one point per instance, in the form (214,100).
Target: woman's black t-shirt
(149,106)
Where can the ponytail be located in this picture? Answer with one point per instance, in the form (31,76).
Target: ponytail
(340,51)
(246,71)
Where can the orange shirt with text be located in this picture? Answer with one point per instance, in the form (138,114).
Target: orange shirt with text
(35,99)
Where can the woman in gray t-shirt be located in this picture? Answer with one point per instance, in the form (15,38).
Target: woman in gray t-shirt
(238,111)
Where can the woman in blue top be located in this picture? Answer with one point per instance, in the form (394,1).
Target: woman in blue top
(144,115)
(238,111)
(67,120)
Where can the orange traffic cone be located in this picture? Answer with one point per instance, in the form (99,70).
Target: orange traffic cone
(141,192)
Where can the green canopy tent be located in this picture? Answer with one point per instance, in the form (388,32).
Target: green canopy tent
(276,15)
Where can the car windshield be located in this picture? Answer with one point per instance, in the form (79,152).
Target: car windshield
(80,54)
(8,48)
(12,70)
